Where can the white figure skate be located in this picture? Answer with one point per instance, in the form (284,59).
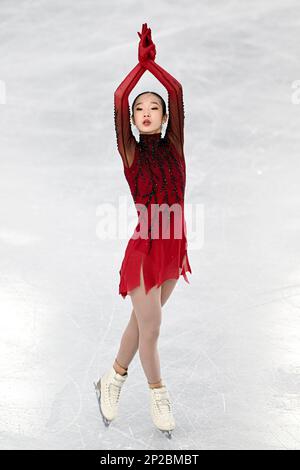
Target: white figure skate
(108,389)
(161,410)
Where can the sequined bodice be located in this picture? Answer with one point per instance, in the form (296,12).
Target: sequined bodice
(157,174)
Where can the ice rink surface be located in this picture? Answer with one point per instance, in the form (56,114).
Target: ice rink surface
(230,341)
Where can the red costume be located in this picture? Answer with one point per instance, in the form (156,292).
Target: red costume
(156,179)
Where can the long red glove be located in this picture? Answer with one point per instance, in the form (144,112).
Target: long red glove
(147,49)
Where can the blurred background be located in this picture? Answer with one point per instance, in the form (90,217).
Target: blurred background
(229,344)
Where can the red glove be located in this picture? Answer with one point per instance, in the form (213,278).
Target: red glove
(147,48)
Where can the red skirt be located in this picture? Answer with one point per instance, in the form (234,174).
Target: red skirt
(167,259)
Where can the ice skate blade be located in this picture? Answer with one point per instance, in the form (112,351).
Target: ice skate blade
(168,434)
(98,395)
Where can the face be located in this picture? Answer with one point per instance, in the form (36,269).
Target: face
(148,107)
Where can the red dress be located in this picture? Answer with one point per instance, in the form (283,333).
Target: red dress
(155,171)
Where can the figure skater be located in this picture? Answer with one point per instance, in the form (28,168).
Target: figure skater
(154,168)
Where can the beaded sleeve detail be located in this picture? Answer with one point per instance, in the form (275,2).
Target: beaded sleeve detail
(126,141)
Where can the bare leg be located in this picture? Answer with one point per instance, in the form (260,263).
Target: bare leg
(128,347)
(147,309)
(130,339)
(167,288)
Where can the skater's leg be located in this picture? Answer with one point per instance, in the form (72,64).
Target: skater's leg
(130,339)
(167,288)
(147,309)
(128,346)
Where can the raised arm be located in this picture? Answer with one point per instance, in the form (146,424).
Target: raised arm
(125,139)
(175,128)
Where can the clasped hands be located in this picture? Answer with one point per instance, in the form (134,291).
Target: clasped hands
(147,48)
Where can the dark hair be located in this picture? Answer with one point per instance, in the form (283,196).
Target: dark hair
(163,103)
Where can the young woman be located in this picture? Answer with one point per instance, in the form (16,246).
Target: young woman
(156,254)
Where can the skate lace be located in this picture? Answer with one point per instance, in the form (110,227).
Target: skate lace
(162,402)
(115,392)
